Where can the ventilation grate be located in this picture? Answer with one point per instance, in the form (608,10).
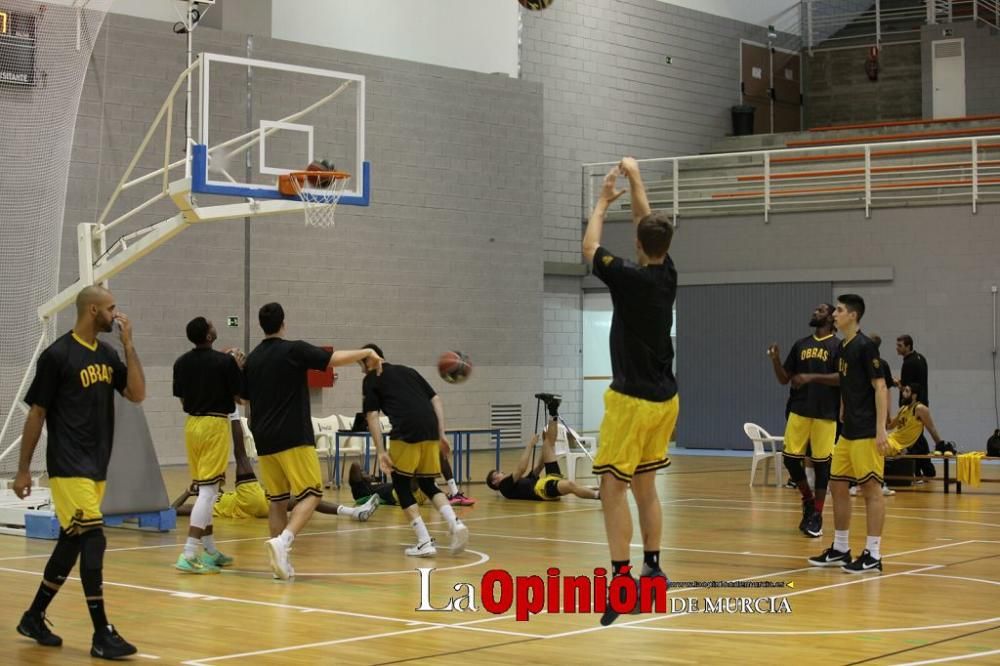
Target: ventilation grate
(507,417)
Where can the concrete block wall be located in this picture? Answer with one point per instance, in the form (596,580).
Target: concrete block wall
(982,77)
(608,92)
(943,264)
(838,90)
(448,256)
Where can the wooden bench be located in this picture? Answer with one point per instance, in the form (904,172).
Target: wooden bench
(946,477)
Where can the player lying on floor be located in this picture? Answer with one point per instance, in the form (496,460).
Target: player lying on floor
(533,485)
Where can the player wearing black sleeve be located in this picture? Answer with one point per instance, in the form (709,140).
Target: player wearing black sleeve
(73,395)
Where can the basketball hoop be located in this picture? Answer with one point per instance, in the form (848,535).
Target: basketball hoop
(319,192)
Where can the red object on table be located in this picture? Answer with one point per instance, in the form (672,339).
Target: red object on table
(321,378)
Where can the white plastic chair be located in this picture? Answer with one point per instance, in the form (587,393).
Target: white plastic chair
(572,454)
(760,437)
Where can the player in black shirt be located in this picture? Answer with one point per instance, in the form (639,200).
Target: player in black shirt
(281,422)
(860,454)
(813,405)
(914,373)
(530,484)
(73,395)
(207,382)
(641,405)
(416,413)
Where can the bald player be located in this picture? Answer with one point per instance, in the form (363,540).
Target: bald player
(73,396)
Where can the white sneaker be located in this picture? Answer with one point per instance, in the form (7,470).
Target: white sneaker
(425,549)
(367,510)
(855,491)
(459,537)
(277,552)
(887,491)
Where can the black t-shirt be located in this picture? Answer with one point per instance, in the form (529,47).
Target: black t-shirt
(275,384)
(206,381)
(642,353)
(523,489)
(914,370)
(405,397)
(859,365)
(814,356)
(75,383)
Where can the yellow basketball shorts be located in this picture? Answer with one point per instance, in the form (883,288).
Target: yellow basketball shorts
(419,459)
(857,460)
(551,493)
(635,435)
(247,501)
(803,431)
(897,445)
(291,473)
(78,503)
(209,440)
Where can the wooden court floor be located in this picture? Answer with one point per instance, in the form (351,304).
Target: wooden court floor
(355,595)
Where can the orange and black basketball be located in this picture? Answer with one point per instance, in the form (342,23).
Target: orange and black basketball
(320,180)
(535,5)
(454,367)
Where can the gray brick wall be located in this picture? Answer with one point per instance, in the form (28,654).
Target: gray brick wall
(982,77)
(943,261)
(609,92)
(838,90)
(448,256)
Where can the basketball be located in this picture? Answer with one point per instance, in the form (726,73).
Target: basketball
(454,367)
(535,5)
(319,180)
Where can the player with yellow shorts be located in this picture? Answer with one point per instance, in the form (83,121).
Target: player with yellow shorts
(813,405)
(859,455)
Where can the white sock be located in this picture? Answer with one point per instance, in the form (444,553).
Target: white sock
(346,510)
(208,541)
(840,541)
(448,514)
(191,547)
(452,488)
(874,546)
(286,538)
(423,536)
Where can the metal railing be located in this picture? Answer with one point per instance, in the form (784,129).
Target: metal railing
(835,24)
(857,176)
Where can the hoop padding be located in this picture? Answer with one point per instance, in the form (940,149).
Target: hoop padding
(319,192)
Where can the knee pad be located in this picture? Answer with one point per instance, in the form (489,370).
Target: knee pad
(201,512)
(794,467)
(92,546)
(401,484)
(63,559)
(428,486)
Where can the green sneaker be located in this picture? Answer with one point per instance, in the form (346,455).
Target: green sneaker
(216,559)
(195,566)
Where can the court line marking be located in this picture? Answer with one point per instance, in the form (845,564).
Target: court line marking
(483,558)
(625,625)
(830,632)
(273,604)
(355,639)
(887,515)
(941,660)
(177,544)
(861,499)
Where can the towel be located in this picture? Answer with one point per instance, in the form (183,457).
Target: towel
(970,467)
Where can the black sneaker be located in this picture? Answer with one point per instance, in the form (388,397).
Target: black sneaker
(814,526)
(109,644)
(551,401)
(790,485)
(610,614)
(831,558)
(864,564)
(33,626)
(808,509)
(647,573)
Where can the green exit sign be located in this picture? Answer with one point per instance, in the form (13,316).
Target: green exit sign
(232,321)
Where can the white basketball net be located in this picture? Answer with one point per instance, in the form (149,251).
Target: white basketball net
(319,202)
